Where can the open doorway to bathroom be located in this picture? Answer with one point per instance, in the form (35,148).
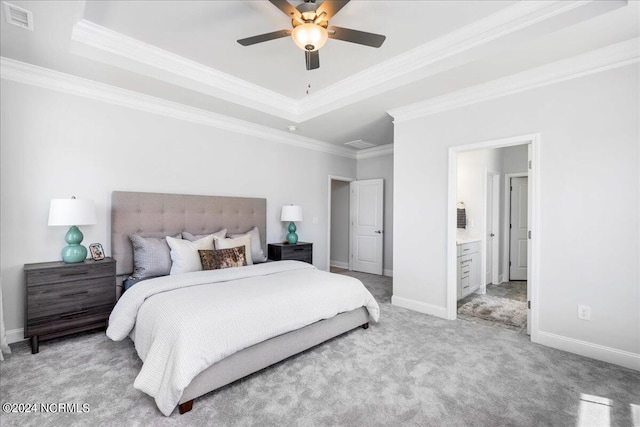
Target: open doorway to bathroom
(492,246)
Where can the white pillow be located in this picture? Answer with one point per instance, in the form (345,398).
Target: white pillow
(234,243)
(184,254)
(257,254)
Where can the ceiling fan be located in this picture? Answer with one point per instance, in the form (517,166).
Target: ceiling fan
(311,29)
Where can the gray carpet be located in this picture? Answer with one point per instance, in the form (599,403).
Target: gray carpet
(410,369)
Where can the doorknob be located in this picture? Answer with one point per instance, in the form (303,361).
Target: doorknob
(491,234)
(378,231)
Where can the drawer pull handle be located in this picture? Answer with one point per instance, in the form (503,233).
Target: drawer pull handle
(466,249)
(73,294)
(298,249)
(75,313)
(78,273)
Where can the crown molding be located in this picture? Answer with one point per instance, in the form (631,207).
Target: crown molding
(596,61)
(381,150)
(162,64)
(49,79)
(100,43)
(423,61)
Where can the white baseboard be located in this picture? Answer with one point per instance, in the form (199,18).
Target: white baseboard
(338,264)
(15,335)
(594,351)
(421,307)
(500,278)
(387,272)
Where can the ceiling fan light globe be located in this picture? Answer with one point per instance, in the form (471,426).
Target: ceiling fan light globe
(309,37)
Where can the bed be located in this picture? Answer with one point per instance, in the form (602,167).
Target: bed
(140,312)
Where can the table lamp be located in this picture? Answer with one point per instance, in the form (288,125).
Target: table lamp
(291,213)
(72,212)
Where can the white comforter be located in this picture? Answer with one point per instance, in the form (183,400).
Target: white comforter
(209,315)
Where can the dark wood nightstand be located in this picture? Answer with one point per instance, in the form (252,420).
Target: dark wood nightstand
(301,251)
(63,299)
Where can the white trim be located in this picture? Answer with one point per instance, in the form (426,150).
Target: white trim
(99,43)
(381,150)
(167,66)
(419,306)
(606,58)
(495,210)
(387,272)
(339,264)
(49,79)
(452,288)
(334,178)
(588,349)
(507,216)
(15,335)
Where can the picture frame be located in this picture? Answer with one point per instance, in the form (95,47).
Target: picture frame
(97,253)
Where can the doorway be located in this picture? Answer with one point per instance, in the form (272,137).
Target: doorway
(355,225)
(531,242)
(338,223)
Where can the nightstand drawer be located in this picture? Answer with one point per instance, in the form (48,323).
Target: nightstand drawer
(73,319)
(69,273)
(62,298)
(300,251)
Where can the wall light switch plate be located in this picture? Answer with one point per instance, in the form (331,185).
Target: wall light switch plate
(314,220)
(584,312)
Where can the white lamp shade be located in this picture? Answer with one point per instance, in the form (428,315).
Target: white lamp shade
(309,37)
(291,213)
(72,212)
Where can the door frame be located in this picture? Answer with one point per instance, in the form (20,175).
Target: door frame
(533,140)
(495,210)
(344,179)
(507,217)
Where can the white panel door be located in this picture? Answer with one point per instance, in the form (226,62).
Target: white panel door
(366,226)
(519,226)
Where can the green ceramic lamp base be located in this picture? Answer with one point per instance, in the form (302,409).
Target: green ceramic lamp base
(74,252)
(292,237)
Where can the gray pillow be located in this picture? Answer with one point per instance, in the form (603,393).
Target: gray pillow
(257,254)
(151,256)
(192,238)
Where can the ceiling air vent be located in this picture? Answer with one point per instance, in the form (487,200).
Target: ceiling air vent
(18,16)
(360,144)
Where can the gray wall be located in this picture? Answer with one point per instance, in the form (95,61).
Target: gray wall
(340,223)
(589,197)
(382,167)
(56,145)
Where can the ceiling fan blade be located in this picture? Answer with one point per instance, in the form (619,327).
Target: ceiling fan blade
(312,59)
(264,37)
(331,7)
(286,7)
(355,36)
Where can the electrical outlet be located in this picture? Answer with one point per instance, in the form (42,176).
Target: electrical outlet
(584,312)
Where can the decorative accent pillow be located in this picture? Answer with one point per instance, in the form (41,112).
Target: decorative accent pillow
(234,243)
(257,254)
(223,258)
(184,254)
(151,256)
(192,238)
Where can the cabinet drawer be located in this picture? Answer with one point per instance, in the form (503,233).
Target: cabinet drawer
(69,297)
(468,248)
(69,273)
(51,324)
(293,251)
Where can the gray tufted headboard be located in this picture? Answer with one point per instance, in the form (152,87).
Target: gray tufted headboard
(159,215)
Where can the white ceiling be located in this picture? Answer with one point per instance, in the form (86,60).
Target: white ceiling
(186,52)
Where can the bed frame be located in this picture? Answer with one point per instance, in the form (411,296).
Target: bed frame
(159,215)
